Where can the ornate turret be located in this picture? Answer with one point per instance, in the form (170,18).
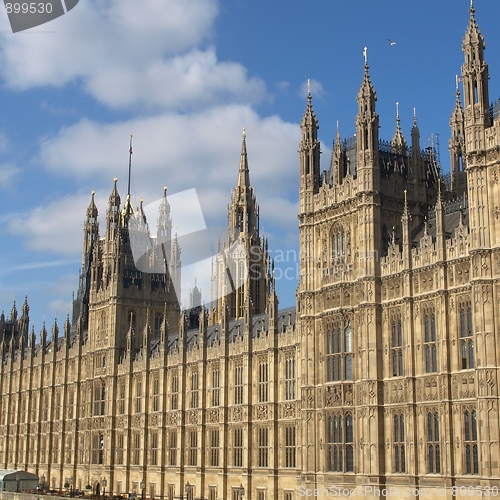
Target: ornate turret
(113,213)
(406,225)
(367,123)
(398,142)
(243,215)
(13,312)
(457,146)
(175,267)
(475,83)
(241,262)
(43,338)
(90,230)
(164,225)
(337,165)
(55,337)
(67,332)
(309,151)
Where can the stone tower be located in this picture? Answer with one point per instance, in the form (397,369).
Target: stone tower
(116,291)
(242,266)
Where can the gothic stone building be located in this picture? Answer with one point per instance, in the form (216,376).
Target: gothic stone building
(385,375)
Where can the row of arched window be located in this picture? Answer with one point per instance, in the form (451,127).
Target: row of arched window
(339,352)
(430,340)
(340,443)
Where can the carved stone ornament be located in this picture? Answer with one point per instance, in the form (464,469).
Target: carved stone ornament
(214,415)
(237,414)
(261,412)
(288,410)
(173,419)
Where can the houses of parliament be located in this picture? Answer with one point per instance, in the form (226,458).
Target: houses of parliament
(383,379)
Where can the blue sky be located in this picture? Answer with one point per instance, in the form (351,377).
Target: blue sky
(184,77)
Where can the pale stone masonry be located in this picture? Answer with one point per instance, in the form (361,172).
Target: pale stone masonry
(385,375)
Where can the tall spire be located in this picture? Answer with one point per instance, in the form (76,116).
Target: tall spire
(456,144)
(367,124)
(337,164)
(128,210)
(90,229)
(243,217)
(243,173)
(164,224)
(475,81)
(406,226)
(416,162)
(130,152)
(309,151)
(398,143)
(113,213)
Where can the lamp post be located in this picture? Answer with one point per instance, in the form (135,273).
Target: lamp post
(188,490)
(17,482)
(71,486)
(143,486)
(104,484)
(42,483)
(241,492)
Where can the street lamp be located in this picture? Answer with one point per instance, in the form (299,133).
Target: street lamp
(143,486)
(104,484)
(42,482)
(241,492)
(17,481)
(70,486)
(188,490)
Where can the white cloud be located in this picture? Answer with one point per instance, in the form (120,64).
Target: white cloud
(199,151)
(182,82)
(56,227)
(283,85)
(7,172)
(129,54)
(317,89)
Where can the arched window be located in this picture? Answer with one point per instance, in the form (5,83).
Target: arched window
(399,443)
(470,439)
(339,351)
(397,346)
(433,447)
(466,338)
(338,243)
(430,346)
(340,443)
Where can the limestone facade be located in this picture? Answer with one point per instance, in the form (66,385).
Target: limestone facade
(385,375)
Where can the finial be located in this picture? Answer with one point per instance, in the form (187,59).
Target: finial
(397,110)
(308,87)
(406,199)
(439,189)
(244,133)
(472,10)
(115,179)
(92,193)
(129,164)
(337,125)
(365,54)
(164,191)
(414,116)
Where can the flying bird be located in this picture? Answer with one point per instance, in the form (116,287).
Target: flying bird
(391,41)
